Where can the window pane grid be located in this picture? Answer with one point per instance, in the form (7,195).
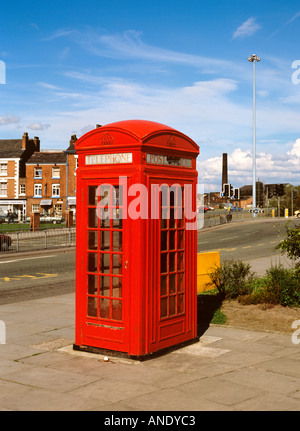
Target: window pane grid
(172,254)
(105,256)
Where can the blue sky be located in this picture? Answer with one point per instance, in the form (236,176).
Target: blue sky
(73,64)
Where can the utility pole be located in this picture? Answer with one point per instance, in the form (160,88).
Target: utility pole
(253,59)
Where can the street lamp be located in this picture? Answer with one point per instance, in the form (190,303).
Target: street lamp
(252,59)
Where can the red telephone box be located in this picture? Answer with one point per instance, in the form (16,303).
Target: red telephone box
(136,244)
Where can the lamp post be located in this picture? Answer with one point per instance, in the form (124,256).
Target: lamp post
(253,59)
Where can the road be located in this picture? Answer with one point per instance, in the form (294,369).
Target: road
(38,274)
(244,240)
(31,275)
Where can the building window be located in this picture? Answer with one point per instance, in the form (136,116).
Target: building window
(58,210)
(38,190)
(35,208)
(3,189)
(55,172)
(22,189)
(38,172)
(3,168)
(55,190)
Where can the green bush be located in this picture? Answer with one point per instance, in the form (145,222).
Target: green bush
(235,280)
(279,286)
(231,279)
(291,244)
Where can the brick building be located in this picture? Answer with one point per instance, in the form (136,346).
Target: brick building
(14,154)
(51,181)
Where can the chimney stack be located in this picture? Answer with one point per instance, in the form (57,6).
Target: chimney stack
(224,170)
(36,141)
(24,141)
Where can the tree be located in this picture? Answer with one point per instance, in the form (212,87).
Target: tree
(291,244)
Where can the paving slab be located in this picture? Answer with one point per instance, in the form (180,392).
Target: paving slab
(229,369)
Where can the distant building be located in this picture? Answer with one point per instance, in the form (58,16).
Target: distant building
(14,154)
(51,181)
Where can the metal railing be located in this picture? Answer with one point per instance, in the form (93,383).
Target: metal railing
(26,240)
(218,217)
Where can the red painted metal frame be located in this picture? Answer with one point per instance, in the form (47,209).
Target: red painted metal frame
(141,331)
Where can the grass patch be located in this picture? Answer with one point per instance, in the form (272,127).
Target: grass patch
(219,318)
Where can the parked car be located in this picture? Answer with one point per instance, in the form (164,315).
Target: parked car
(49,219)
(5,242)
(297,213)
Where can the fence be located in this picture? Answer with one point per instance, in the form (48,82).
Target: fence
(46,238)
(217,217)
(18,240)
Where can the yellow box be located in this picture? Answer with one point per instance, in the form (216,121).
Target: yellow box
(206,263)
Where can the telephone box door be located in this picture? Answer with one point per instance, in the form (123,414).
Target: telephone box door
(104,285)
(173,302)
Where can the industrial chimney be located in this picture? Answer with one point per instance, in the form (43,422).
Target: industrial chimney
(224,170)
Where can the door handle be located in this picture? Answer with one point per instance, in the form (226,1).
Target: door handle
(125,264)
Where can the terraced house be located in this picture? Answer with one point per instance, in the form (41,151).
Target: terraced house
(36,181)
(14,154)
(51,181)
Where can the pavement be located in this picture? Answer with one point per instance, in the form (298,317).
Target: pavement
(229,369)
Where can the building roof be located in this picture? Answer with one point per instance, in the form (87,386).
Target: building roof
(47,157)
(10,148)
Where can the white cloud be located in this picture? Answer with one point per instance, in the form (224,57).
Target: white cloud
(269,168)
(248,28)
(9,119)
(38,126)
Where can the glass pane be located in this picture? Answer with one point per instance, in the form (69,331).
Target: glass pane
(92,284)
(163,307)
(163,284)
(92,198)
(117,263)
(163,262)
(180,239)
(117,287)
(172,240)
(104,285)
(104,215)
(92,218)
(92,306)
(104,308)
(105,195)
(180,282)
(172,218)
(117,218)
(164,240)
(180,304)
(117,241)
(171,262)
(172,197)
(172,283)
(172,305)
(180,218)
(180,261)
(92,240)
(92,262)
(116,309)
(118,196)
(164,217)
(104,263)
(105,240)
